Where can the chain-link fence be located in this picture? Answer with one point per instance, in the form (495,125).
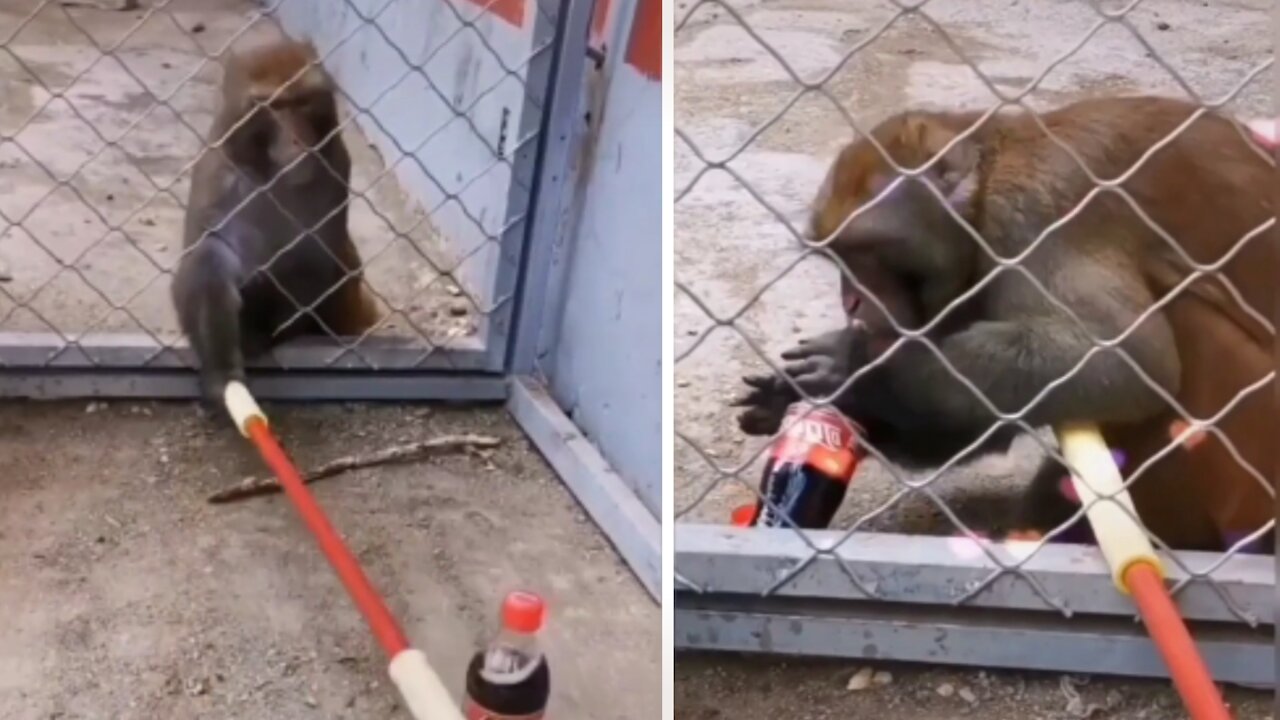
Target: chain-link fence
(108,108)
(767,94)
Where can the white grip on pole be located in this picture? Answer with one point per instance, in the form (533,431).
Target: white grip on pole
(423,692)
(241,406)
(1119,536)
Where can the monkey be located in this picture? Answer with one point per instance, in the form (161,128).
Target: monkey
(1198,340)
(266,252)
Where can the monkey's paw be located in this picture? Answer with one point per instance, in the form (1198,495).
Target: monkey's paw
(766,403)
(822,365)
(1027,535)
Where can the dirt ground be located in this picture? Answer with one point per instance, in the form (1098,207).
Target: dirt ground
(730,248)
(717,687)
(113,150)
(127,596)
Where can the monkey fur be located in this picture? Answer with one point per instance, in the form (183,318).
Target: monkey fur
(267,256)
(1210,188)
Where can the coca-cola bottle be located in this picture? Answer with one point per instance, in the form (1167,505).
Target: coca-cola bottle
(808,471)
(509,680)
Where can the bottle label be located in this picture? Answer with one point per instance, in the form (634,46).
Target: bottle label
(472,711)
(821,437)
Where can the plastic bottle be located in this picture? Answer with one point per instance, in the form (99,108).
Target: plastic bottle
(808,471)
(509,679)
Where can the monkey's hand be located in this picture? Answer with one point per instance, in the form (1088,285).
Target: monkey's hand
(822,365)
(766,403)
(818,365)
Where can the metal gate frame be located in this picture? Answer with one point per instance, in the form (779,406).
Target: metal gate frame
(56,364)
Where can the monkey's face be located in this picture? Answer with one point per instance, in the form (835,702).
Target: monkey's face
(296,127)
(878,298)
(288,113)
(870,291)
(892,231)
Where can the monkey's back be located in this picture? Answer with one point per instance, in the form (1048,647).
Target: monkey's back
(1208,188)
(289,244)
(1212,192)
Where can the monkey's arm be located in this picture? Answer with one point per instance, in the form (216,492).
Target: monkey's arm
(206,296)
(832,356)
(1028,343)
(820,365)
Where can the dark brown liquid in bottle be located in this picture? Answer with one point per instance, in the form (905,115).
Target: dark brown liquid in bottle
(526,698)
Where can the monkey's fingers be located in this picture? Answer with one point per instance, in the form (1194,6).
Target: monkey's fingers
(767,382)
(774,394)
(805,350)
(816,376)
(754,398)
(762,387)
(806,367)
(760,421)
(1024,535)
(1180,431)
(1266,133)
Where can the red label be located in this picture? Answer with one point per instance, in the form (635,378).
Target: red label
(644,51)
(821,437)
(475,712)
(510,10)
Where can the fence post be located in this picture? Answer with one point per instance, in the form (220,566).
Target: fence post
(552,200)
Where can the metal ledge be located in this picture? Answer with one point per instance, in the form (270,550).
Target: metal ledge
(960,636)
(291,385)
(138,350)
(634,532)
(925,570)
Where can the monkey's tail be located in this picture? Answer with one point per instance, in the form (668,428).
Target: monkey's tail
(420,686)
(1135,568)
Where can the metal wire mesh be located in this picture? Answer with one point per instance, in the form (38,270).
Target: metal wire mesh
(112,112)
(765,96)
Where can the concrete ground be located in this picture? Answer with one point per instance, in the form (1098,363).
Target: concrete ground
(729,248)
(127,597)
(63,187)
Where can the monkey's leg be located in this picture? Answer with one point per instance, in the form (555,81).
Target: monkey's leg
(350,311)
(1048,502)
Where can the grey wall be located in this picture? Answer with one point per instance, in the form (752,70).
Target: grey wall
(446,158)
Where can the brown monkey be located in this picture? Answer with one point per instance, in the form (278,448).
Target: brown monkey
(1209,188)
(267,256)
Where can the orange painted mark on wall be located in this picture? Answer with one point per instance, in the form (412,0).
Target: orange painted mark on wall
(599,21)
(510,10)
(644,52)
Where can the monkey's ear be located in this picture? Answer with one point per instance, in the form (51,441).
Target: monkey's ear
(956,173)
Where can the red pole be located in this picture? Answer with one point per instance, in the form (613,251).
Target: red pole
(1173,640)
(384,626)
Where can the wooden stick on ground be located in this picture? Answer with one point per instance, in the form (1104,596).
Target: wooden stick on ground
(409,452)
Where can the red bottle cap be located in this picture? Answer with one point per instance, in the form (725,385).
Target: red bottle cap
(523,612)
(743,515)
